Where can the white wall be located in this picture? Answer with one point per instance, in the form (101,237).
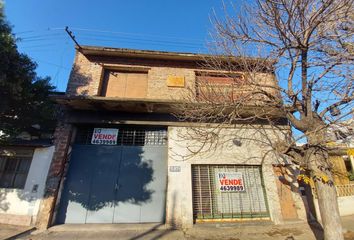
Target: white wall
(179,190)
(345,205)
(25,202)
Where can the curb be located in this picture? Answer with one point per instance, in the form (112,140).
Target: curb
(21,234)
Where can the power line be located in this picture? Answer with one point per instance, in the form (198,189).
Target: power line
(50,63)
(139,43)
(141,39)
(40,50)
(134,34)
(134,40)
(55,79)
(110,36)
(36,30)
(40,39)
(24,32)
(42,45)
(41,36)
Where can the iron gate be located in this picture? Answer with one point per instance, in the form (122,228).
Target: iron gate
(211,203)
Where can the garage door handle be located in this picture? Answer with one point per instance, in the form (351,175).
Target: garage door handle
(117,186)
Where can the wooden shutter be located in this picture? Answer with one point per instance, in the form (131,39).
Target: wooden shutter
(136,85)
(115,84)
(218,88)
(125,84)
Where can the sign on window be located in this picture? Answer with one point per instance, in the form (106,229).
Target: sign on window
(104,136)
(229,181)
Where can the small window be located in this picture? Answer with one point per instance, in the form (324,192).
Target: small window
(14,171)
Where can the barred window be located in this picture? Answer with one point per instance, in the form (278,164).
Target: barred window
(210,201)
(128,135)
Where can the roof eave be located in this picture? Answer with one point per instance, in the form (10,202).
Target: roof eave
(163,55)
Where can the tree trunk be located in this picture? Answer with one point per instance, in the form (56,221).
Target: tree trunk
(328,204)
(326,193)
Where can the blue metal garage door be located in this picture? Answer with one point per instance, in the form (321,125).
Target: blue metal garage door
(120,183)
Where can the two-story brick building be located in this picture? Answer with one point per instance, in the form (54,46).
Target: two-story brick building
(119,154)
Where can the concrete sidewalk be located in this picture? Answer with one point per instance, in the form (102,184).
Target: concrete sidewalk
(12,231)
(231,231)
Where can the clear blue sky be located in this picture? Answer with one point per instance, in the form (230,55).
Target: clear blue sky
(174,25)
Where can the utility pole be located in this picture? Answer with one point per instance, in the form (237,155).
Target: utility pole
(71,35)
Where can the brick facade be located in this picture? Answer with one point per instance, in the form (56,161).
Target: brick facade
(87,75)
(86,80)
(157,82)
(62,137)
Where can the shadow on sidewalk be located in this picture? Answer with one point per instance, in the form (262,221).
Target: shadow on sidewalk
(154,229)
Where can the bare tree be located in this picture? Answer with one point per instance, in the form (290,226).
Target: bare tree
(308,45)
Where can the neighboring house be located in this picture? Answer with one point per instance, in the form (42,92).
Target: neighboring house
(120,154)
(341,138)
(24,167)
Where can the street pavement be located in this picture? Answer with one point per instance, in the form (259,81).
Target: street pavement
(230,231)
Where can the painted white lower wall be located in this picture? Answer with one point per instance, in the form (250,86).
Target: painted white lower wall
(20,206)
(345,205)
(179,211)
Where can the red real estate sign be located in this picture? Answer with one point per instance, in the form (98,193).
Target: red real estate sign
(229,181)
(104,136)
